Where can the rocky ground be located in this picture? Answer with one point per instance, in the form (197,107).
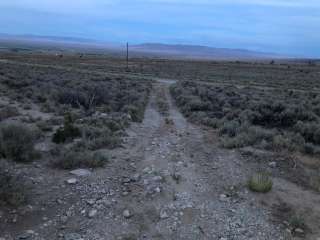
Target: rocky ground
(170,180)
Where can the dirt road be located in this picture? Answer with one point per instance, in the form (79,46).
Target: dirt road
(169,181)
(179,185)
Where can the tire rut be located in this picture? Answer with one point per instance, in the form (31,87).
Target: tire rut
(188,188)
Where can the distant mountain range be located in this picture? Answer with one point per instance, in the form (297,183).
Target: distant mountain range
(201,52)
(149,49)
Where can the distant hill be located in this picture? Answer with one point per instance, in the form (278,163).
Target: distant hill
(201,52)
(33,42)
(36,42)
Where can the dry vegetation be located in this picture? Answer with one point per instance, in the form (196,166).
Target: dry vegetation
(77,113)
(270,119)
(64,112)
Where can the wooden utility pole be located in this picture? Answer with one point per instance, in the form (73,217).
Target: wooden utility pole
(127,56)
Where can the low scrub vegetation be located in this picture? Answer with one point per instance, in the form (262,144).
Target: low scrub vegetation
(12,189)
(17,142)
(270,119)
(8,112)
(260,182)
(67,132)
(70,159)
(55,89)
(162,102)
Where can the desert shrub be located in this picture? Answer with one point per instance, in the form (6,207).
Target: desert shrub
(44,126)
(114,126)
(310,131)
(8,112)
(100,137)
(247,136)
(68,132)
(211,122)
(260,182)
(17,142)
(230,128)
(289,141)
(72,160)
(296,221)
(12,189)
(169,121)
(135,113)
(247,116)
(311,149)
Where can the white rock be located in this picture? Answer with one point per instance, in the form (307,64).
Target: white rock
(164,215)
(272,164)
(92,213)
(223,197)
(91,201)
(81,172)
(136,177)
(72,181)
(299,230)
(126,213)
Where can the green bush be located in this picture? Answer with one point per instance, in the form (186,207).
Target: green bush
(100,137)
(260,182)
(67,132)
(17,142)
(135,113)
(230,128)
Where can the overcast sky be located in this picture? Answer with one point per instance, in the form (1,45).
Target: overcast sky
(282,26)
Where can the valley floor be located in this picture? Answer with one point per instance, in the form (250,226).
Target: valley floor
(170,180)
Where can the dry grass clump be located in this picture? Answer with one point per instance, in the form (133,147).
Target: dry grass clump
(17,142)
(260,182)
(162,102)
(12,188)
(53,89)
(70,159)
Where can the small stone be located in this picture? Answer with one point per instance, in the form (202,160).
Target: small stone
(157,178)
(72,181)
(73,236)
(81,172)
(92,213)
(27,235)
(223,197)
(147,170)
(91,202)
(126,180)
(288,230)
(136,177)
(176,176)
(163,215)
(299,230)
(272,164)
(126,213)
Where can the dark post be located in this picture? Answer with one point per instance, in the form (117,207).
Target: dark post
(127,56)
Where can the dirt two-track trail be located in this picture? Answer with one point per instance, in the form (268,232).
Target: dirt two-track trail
(170,180)
(179,185)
